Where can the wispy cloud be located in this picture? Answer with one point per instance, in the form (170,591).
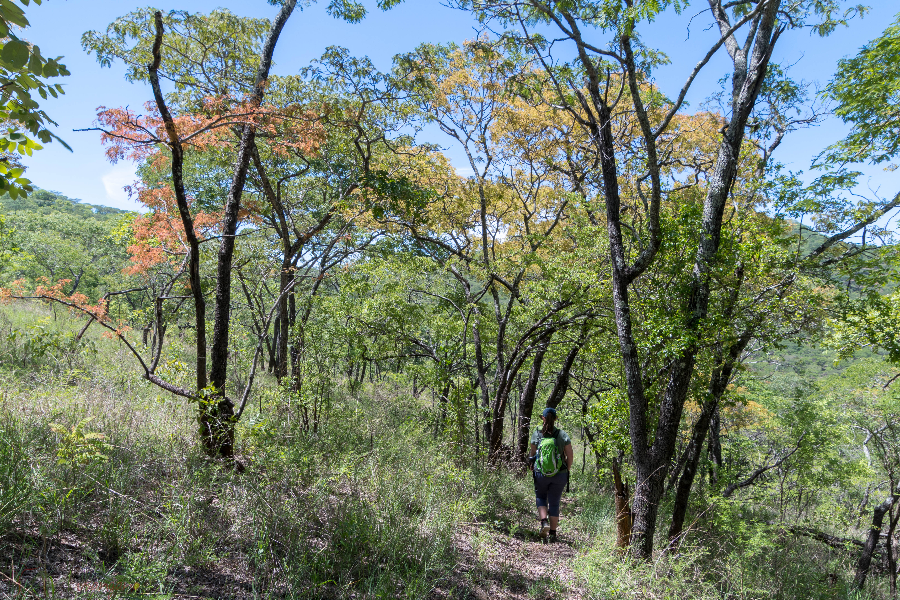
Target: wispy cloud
(115,181)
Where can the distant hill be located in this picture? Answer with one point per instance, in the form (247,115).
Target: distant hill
(45,202)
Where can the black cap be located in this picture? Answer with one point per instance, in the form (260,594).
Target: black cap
(549,411)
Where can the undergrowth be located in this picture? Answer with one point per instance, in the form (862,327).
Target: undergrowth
(105,492)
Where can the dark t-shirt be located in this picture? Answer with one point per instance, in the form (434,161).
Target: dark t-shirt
(564,438)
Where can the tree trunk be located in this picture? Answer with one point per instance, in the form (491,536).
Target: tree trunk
(498,409)
(441,421)
(217,418)
(273,348)
(693,452)
(526,402)
(893,518)
(865,558)
(284,319)
(561,386)
(184,211)
(624,517)
(651,461)
(714,448)
(718,383)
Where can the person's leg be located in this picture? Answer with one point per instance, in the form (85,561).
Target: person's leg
(554,494)
(542,502)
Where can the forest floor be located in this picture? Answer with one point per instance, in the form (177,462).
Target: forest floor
(501,560)
(512,563)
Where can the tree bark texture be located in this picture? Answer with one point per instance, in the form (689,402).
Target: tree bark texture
(718,383)
(526,402)
(651,460)
(217,410)
(184,211)
(624,516)
(865,557)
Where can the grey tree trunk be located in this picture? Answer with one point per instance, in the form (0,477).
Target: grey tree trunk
(526,403)
(865,557)
(217,419)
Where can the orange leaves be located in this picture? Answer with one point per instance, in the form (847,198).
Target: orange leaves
(159,235)
(118,332)
(46,290)
(129,135)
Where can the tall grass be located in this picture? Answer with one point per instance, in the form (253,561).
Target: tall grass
(371,505)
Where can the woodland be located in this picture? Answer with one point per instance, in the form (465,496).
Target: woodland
(311,365)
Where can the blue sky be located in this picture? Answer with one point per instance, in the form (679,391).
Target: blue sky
(57,26)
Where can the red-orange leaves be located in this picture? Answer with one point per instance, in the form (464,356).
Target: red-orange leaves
(159,234)
(132,136)
(53,292)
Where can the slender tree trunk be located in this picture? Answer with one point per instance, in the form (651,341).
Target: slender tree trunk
(286,282)
(561,386)
(693,452)
(498,410)
(184,211)
(865,558)
(718,383)
(526,402)
(894,517)
(442,414)
(276,333)
(217,420)
(714,447)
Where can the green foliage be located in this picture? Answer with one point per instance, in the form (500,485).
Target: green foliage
(23,72)
(41,344)
(78,447)
(609,415)
(59,238)
(228,44)
(867,90)
(8,247)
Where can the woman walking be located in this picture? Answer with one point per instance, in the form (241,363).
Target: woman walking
(551,455)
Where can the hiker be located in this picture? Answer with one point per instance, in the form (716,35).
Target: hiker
(551,455)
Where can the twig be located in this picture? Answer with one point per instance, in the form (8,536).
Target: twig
(8,578)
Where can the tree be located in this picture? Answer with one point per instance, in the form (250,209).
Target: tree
(505,232)
(587,91)
(204,122)
(318,198)
(867,91)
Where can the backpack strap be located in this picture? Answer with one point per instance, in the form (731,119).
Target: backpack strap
(562,449)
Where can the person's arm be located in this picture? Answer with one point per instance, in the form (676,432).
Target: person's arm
(570,457)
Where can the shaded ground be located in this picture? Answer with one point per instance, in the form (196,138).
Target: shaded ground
(71,566)
(507,560)
(500,560)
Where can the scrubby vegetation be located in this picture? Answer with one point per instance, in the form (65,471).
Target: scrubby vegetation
(312,366)
(105,490)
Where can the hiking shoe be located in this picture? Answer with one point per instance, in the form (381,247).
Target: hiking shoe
(545,527)
(551,536)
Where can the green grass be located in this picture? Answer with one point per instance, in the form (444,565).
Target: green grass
(371,505)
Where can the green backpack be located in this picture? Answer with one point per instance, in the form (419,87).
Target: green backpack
(549,457)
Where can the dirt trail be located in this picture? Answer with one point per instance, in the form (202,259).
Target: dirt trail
(507,563)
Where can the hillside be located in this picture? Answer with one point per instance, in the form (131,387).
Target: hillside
(49,235)
(46,202)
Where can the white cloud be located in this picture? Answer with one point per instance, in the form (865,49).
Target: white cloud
(115,180)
